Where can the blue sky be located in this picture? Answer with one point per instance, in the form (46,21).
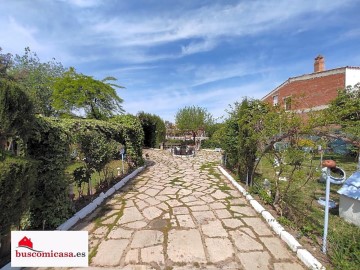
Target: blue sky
(171,54)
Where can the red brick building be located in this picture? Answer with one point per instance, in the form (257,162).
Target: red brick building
(313,91)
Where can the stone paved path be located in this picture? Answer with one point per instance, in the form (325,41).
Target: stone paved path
(181,213)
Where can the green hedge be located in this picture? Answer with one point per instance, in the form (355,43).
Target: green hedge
(17,180)
(154,129)
(49,145)
(133,136)
(124,129)
(210,144)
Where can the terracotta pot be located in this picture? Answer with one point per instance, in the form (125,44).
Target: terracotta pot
(329,163)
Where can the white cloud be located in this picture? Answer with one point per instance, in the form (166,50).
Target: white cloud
(210,23)
(83,3)
(208,74)
(196,47)
(132,34)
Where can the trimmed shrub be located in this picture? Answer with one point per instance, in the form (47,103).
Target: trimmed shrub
(49,145)
(133,135)
(154,129)
(17,180)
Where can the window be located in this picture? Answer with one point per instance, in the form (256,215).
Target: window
(275,100)
(287,103)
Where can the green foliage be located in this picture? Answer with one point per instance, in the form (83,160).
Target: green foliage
(74,91)
(81,175)
(123,129)
(16,115)
(344,248)
(5,63)
(209,144)
(154,129)
(17,180)
(191,119)
(242,137)
(216,133)
(133,137)
(36,79)
(96,149)
(345,110)
(212,128)
(49,145)
(262,193)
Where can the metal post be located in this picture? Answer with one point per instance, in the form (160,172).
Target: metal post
(247,177)
(89,186)
(122,162)
(326,221)
(321,154)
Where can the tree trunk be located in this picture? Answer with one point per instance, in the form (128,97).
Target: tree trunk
(194,136)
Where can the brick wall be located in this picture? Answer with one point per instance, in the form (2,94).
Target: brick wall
(309,93)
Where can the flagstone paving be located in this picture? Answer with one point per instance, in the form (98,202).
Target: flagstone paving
(182,213)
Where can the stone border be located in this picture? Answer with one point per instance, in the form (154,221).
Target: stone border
(305,256)
(88,209)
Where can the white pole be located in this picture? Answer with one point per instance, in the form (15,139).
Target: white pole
(321,154)
(122,162)
(326,221)
(247,177)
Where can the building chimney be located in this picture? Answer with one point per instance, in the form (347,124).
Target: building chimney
(319,64)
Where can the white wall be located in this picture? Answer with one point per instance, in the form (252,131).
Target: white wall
(349,209)
(352,76)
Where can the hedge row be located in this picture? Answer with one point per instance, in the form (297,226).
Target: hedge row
(38,185)
(17,180)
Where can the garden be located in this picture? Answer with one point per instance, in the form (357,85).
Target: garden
(275,154)
(54,160)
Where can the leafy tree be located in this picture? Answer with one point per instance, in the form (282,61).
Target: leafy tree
(5,63)
(212,128)
(192,119)
(82,175)
(154,129)
(345,110)
(241,142)
(76,91)
(341,120)
(98,151)
(37,79)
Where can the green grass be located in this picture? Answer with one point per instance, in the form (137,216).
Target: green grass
(177,182)
(95,177)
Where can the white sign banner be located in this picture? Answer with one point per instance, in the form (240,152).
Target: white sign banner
(49,249)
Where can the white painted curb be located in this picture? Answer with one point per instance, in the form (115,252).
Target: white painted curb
(98,201)
(305,256)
